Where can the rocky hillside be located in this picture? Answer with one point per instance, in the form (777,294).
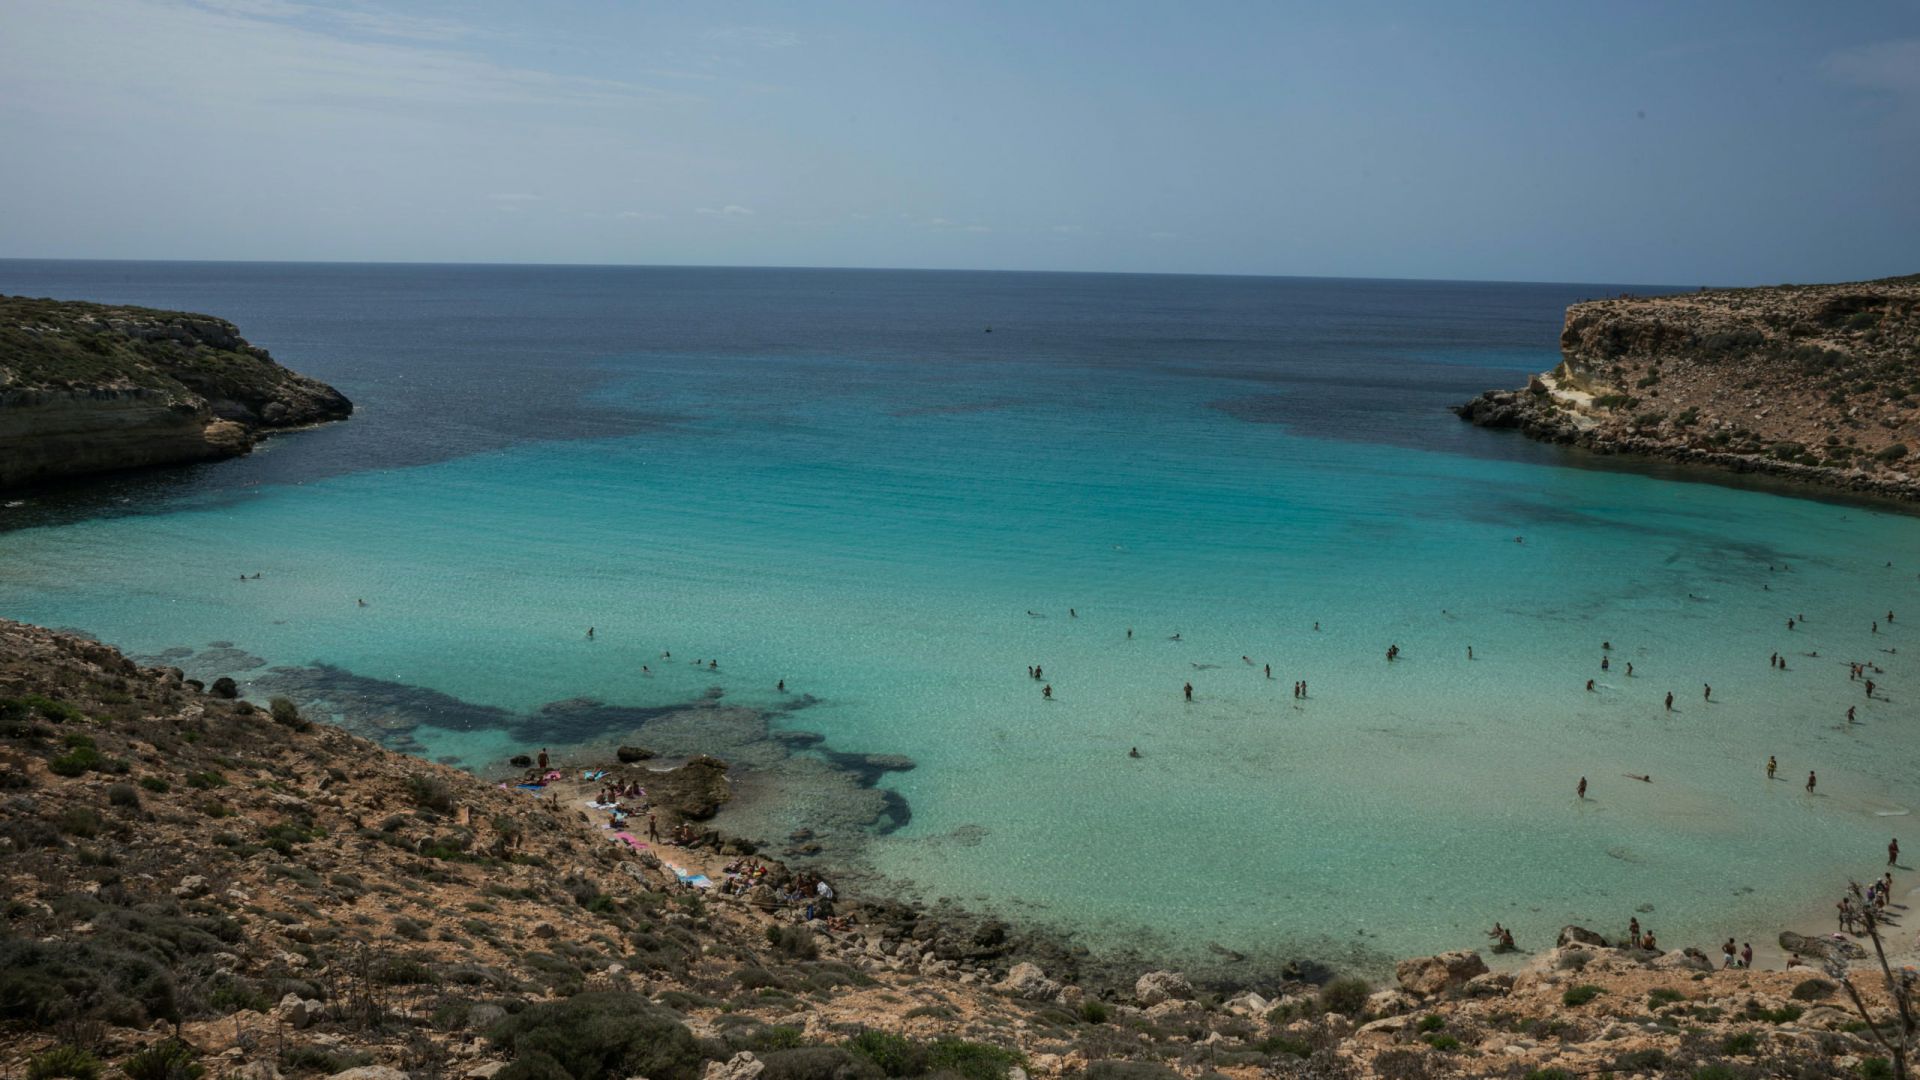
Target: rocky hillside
(197,886)
(1818,382)
(90,388)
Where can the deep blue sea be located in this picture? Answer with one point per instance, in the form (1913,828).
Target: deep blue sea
(897,491)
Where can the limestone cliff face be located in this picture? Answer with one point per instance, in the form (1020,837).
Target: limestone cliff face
(90,388)
(1818,382)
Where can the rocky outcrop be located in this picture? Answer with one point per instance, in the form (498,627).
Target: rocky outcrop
(88,388)
(1429,975)
(1159,986)
(1816,383)
(695,790)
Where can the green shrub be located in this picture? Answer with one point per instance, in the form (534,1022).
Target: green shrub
(1580,995)
(1284,1044)
(599,1034)
(430,793)
(206,781)
(1093,1011)
(64,1061)
(1785,1014)
(1740,1044)
(818,1063)
(1663,995)
(1429,1023)
(1715,1072)
(896,1055)
(79,759)
(1876,1068)
(80,821)
(123,795)
(1649,1060)
(974,1061)
(22,708)
(168,1060)
(155,785)
(287,714)
(1443,1042)
(1346,996)
(1813,990)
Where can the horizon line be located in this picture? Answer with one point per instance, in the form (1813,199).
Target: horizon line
(851,269)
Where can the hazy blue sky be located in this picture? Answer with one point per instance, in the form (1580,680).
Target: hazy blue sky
(1605,141)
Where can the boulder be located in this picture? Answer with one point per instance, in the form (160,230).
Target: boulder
(741,1066)
(257,1069)
(1390,1003)
(294,1012)
(1682,960)
(1492,984)
(1434,974)
(1248,1004)
(630,754)
(1028,981)
(1580,935)
(1821,946)
(191,885)
(224,687)
(1389,1025)
(694,790)
(1157,986)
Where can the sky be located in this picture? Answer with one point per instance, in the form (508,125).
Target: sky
(1674,143)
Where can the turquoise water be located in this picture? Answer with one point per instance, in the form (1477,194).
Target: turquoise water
(900,529)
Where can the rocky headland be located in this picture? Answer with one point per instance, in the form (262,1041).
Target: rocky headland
(198,886)
(88,388)
(1819,383)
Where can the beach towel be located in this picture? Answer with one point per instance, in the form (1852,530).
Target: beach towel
(555,775)
(535,788)
(630,840)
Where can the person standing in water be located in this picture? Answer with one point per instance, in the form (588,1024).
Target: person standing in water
(1893,852)
(1669,701)
(1189,691)
(1708,693)
(1581,790)
(1810,781)
(589,631)
(1469,652)
(1772,766)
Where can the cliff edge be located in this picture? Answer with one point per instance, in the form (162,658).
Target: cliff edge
(1816,382)
(88,388)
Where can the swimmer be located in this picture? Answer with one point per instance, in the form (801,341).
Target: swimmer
(589,631)
(1644,778)
(645,670)
(1129,633)
(1071,613)
(1175,637)
(361,602)
(1589,686)
(781,686)
(1047,691)
(1135,752)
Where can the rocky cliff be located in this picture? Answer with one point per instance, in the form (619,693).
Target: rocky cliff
(91,388)
(1817,382)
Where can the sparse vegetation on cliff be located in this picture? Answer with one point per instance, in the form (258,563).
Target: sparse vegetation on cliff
(1818,382)
(92,387)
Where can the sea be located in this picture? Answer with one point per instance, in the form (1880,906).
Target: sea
(830,520)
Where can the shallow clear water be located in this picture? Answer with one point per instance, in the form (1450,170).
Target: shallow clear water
(840,480)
